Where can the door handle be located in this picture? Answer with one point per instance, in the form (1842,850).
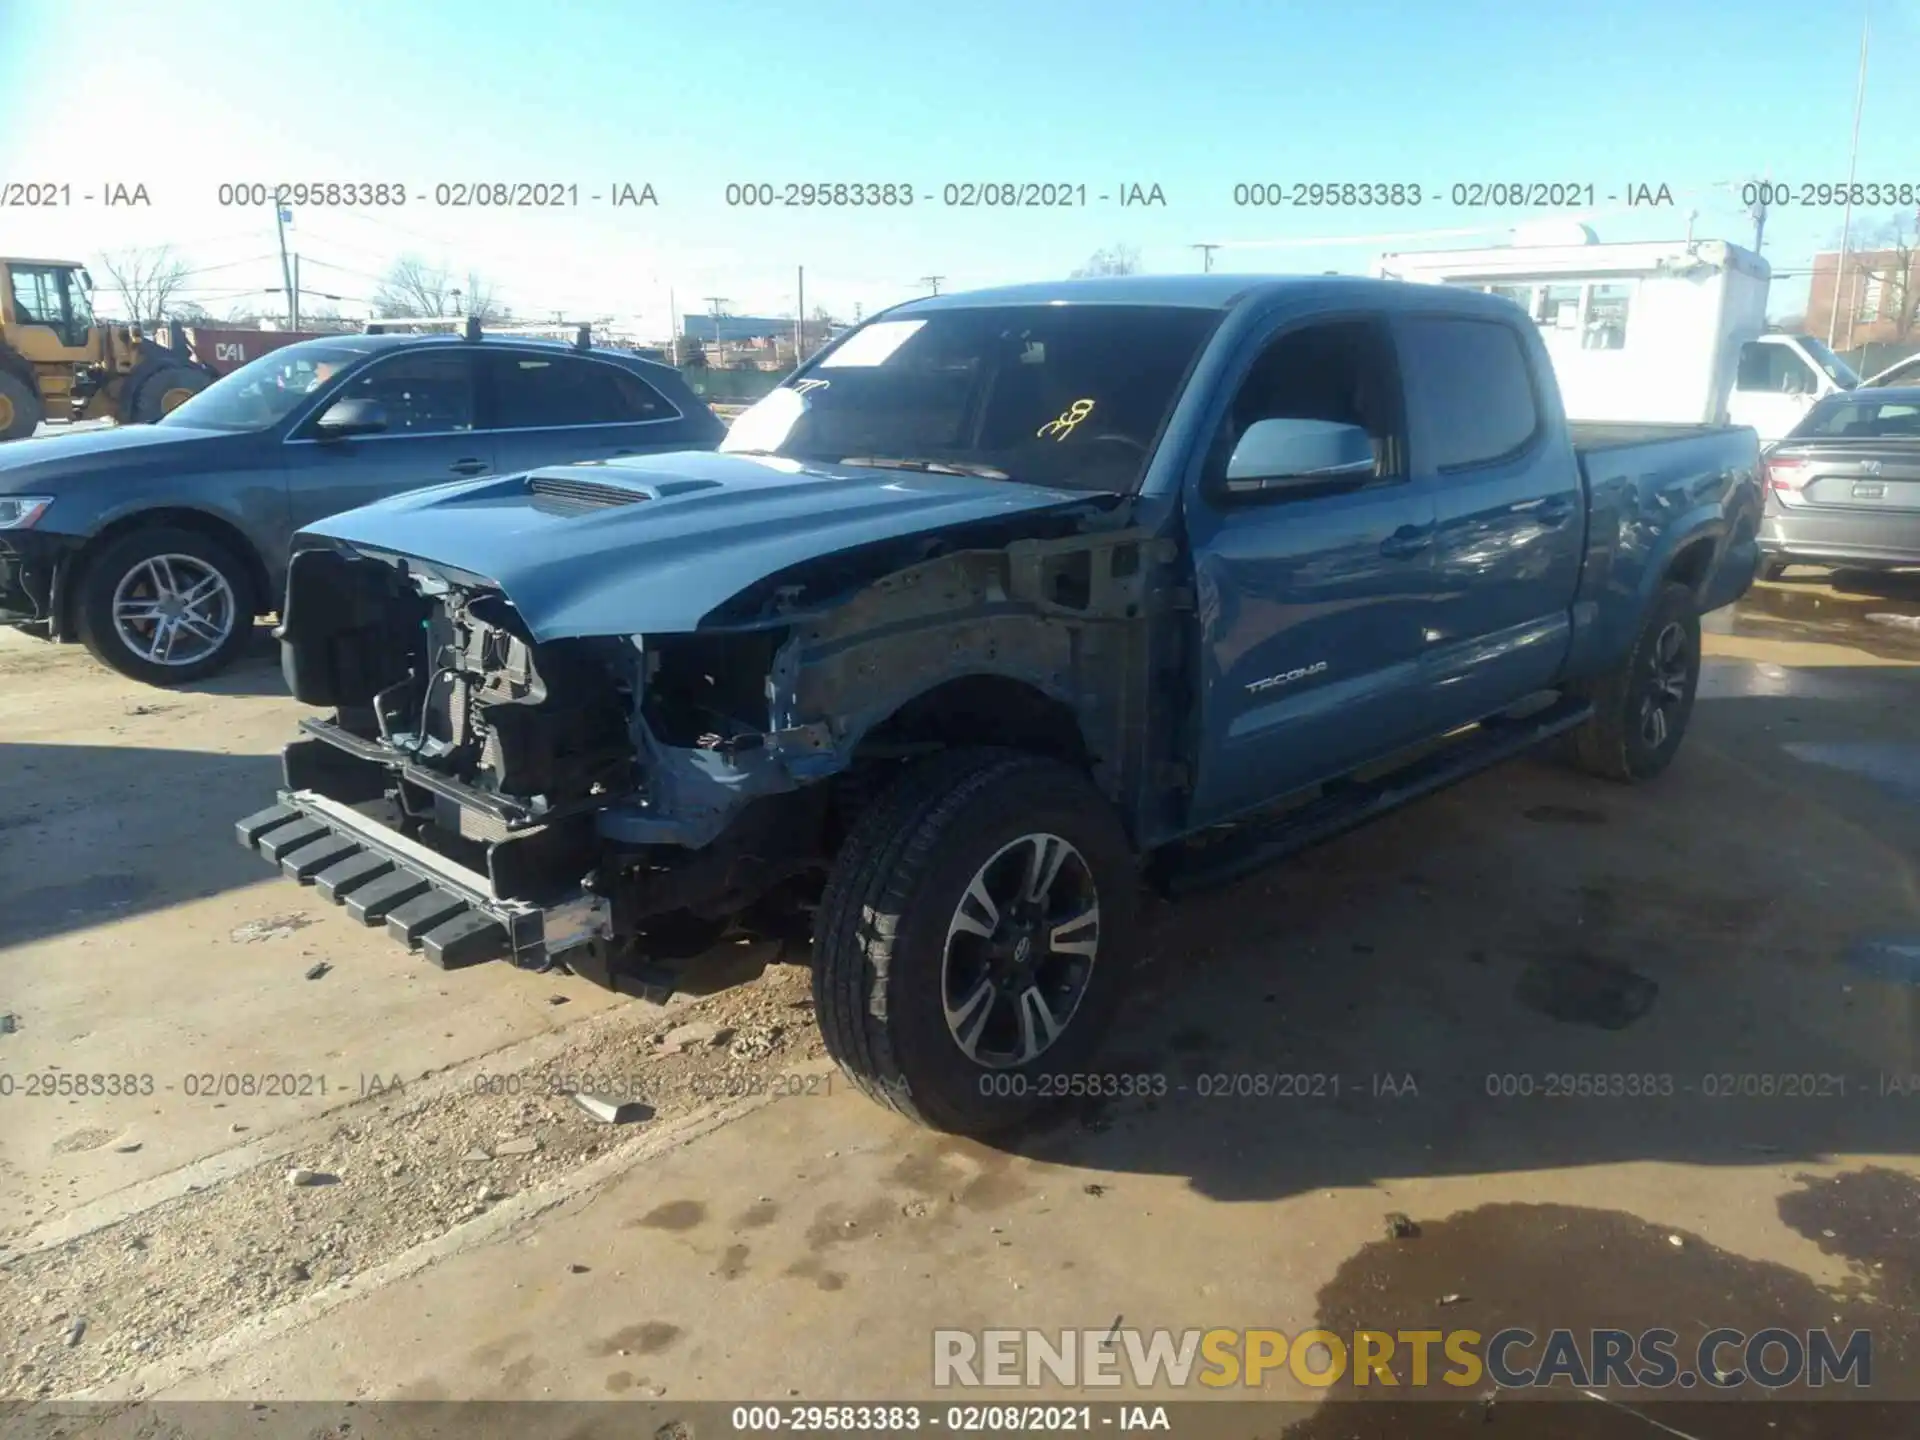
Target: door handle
(1406,542)
(1556,511)
(469,467)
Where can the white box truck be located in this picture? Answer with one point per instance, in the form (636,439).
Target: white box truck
(1669,330)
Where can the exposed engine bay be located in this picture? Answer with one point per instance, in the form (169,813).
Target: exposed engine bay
(617,800)
(546,768)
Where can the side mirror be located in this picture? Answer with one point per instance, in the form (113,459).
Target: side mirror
(1298,454)
(352,416)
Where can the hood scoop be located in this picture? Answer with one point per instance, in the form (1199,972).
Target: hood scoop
(570,495)
(569,492)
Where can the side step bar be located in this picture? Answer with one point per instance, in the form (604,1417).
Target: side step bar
(427,902)
(1352,804)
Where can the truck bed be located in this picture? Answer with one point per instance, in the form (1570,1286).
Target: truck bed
(1590,435)
(1628,465)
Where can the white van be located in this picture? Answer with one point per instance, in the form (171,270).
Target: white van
(1778,379)
(1659,330)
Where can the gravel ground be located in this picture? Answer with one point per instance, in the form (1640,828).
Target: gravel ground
(396,1171)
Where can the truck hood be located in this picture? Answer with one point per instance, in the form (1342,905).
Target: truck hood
(656,543)
(30,466)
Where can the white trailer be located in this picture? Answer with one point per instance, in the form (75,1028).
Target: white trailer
(1671,330)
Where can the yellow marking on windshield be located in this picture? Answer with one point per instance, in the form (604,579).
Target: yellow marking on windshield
(1062,426)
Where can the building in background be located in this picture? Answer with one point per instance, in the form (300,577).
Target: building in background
(719,329)
(1879,295)
(753,342)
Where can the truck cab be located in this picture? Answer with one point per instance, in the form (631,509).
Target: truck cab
(1778,379)
(47,333)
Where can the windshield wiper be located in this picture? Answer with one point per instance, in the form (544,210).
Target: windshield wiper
(931,467)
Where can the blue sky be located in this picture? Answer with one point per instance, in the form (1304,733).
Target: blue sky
(1193,96)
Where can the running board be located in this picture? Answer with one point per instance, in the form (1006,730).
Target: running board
(1349,804)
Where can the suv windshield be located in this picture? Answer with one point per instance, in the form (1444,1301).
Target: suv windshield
(263,392)
(1066,395)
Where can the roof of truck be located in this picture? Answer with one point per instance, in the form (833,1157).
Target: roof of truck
(1200,292)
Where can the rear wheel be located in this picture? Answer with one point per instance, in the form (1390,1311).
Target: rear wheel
(165,391)
(20,408)
(975,939)
(166,606)
(1641,710)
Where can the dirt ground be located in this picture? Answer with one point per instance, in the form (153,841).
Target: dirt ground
(761,1232)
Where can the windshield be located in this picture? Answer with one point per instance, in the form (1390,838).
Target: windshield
(1065,395)
(263,392)
(1838,371)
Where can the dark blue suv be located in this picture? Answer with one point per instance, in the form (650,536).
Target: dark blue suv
(157,545)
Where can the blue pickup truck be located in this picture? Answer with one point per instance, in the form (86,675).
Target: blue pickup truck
(1001,606)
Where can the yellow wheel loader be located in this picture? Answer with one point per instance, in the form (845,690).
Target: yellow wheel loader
(57,362)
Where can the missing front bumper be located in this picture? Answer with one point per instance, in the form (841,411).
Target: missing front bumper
(427,902)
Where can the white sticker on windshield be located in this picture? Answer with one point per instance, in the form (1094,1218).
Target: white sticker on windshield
(766,424)
(874,344)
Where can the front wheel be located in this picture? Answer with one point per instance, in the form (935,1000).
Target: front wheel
(165,391)
(166,606)
(20,409)
(1640,711)
(975,938)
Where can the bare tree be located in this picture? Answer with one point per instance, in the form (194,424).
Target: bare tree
(1881,264)
(1120,260)
(415,289)
(145,280)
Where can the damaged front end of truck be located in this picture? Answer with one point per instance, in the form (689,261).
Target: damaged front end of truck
(573,737)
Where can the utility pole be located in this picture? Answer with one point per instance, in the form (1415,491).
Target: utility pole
(293,320)
(1206,257)
(716,301)
(933,281)
(1846,219)
(281,214)
(800,320)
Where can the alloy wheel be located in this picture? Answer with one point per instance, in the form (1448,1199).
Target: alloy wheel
(1666,689)
(173,610)
(1020,950)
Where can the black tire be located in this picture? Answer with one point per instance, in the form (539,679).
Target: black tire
(119,560)
(20,409)
(1622,742)
(882,936)
(1773,567)
(150,398)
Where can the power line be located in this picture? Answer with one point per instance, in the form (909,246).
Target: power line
(225,265)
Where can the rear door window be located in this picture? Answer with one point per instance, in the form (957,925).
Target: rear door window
(1470,385)
(540,391)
